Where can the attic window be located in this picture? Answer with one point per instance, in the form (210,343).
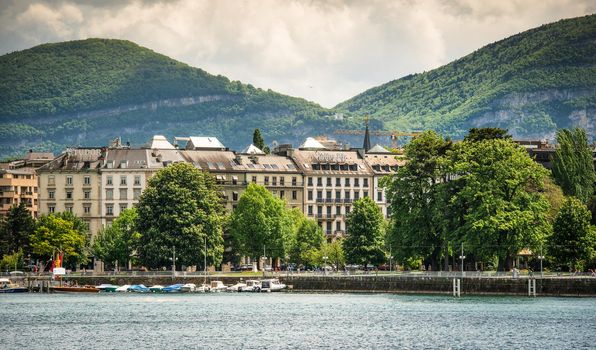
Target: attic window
(221,165)
(211,166)
(291,166)
(123,164)
(110,164)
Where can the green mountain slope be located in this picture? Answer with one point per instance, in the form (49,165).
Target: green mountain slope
(530,83)
(88,92)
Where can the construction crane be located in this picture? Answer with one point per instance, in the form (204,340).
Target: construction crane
(393,134)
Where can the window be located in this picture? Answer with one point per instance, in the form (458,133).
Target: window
(282,194)
(254,179)
(347,181)
(328,195)
(320,209)
(68,194)
(338,210)
(136,193)
(337,181)
(357,182)
(328,210)
(123,193)
(51,208)
(234,180)
(87,208)
(109,209)
(123,207)
(69,180)
(87,180)
(365,193)
(365,182)
(347,195)
(294,195)
(319,181)
(294,181)
(69,208)
(234,196)
(338,225)
(274,180)
(310,210)
(337,194)
(282,181)
(379,196)
(310,181)
(319,194)
(109,193)
(51,180)
(328,182)
(123,180)
(87,194)
(109,180)
(266,180)
(356,195)
(51,195)
(348,210)
(329,226)
(310,195)
(137,180)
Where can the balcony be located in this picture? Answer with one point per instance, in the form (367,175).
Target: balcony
(329,200)
(320,200)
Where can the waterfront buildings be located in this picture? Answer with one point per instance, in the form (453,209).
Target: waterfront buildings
(18,181)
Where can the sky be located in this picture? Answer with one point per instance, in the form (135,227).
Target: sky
(324,51)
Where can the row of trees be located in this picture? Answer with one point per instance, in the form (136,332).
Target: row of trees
(488,195)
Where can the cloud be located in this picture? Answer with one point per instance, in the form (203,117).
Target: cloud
(325,51)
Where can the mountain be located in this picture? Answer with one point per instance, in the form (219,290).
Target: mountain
(530,83)
(91,91)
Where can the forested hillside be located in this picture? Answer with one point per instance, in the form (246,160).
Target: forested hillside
(88,92)
(530,83)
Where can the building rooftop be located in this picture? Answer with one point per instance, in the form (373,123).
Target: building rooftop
(159,142)
(252,149)
(310,144)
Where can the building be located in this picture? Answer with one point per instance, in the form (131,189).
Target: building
(383,163)
(18,181)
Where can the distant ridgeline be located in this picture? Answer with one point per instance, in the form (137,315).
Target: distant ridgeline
(84,93)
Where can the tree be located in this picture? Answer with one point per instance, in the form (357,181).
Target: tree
(573,243)
(482,134)
(61,233)
(309,239)
(260,222)
(118,242)
(180,209)
(573,166)
(334,252)
(502,215)
(365,241)
(257,140)
(12,261)
(417,201)
(15,230)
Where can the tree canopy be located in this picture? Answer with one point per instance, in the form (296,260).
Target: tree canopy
(179,209)
(64,233)
(15,230)
(117,242)
(573,166)
(366,235)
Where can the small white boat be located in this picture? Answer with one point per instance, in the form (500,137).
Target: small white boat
(218,286)
(188,288)
(272,285)
(203,288)
(123,288)
(237,287)
(107,287)
(251,286)
(156,288)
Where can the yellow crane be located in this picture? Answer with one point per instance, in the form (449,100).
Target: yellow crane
(393,134)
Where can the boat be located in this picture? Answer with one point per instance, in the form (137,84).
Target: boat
(6,286)
(106,287)
(74,289)
(174,288)
(188,288)
(203,288)
(237,287)
(218,286)
(156,288)
(123,288)
(251,286)
(139,288)
(272,285)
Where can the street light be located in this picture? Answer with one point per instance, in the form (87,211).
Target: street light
(173,260)
(462,257)
(390,263)
(325,265)
(541,257)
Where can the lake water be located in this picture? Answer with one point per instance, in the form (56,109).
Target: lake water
(294,321)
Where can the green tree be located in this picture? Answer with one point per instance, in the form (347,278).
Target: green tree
(15,230)
(12,261)
(502,215)
(417,200)
(118,242)
(309,239)
(180,209)
(366,237)
(482,134)
(573,166)
(257,140)
(573,243)
(63,233)
(260,222)
(334,252)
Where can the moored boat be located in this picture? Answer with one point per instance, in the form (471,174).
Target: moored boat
(237,287)
(203,288)
(251,286)
(6,286)
(123,288)
(106,287)
(188,288)
(74,289)
(174,288)
(217,286)
(138,288)
(272,285)
(156,288)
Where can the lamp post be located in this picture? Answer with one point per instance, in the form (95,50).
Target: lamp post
(325,264)
(390,263)
(462,257)
(173,259)
(541,257)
